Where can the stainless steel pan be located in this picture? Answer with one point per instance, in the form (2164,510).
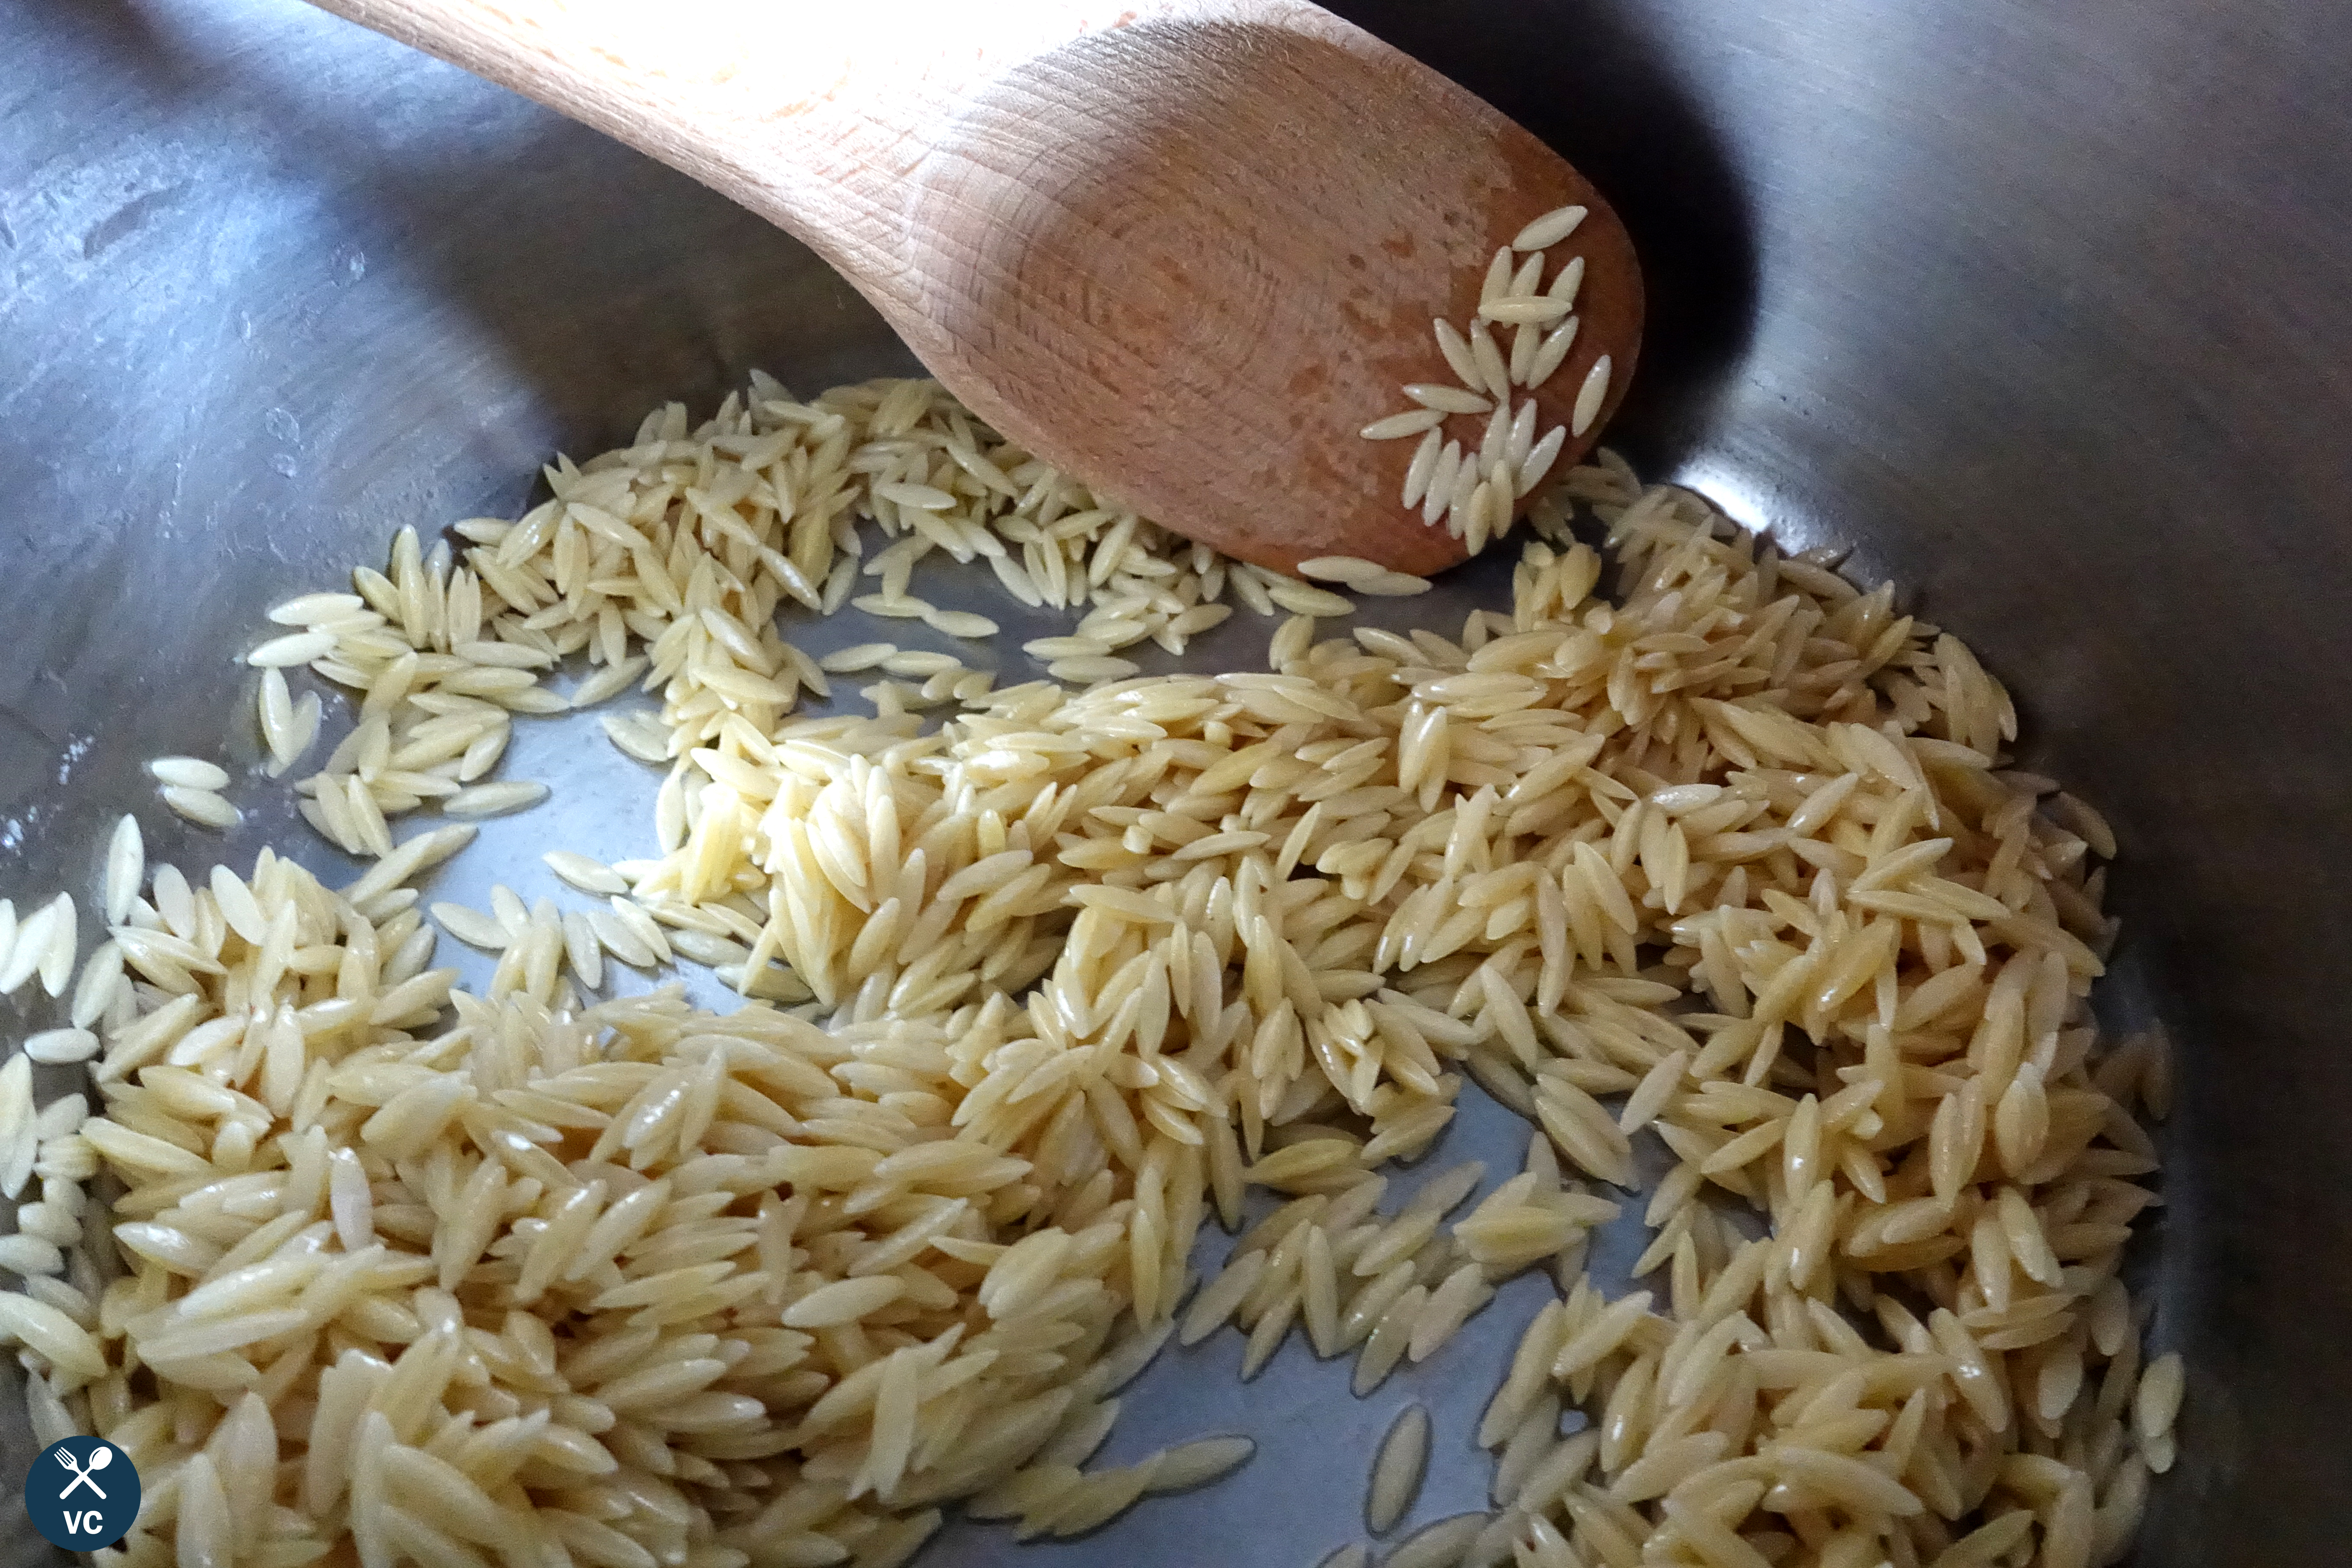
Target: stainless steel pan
(2040,308)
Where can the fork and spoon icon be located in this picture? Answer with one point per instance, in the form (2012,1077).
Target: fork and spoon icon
(99,1457)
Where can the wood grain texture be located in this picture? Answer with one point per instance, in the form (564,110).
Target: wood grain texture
(1185,249)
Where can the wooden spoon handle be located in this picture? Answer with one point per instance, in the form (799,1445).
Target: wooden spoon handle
(1185,249)
(818,118)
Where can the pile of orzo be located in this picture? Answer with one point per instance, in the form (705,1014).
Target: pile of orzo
(373,1269)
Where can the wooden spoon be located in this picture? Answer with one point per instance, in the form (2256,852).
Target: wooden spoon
(1185,249)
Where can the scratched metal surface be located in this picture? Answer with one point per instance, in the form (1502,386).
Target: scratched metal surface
(1936,280)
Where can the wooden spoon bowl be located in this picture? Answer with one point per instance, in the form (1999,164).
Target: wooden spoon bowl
(1185,249)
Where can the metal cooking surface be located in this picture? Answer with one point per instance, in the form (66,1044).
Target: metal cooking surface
(2042,309)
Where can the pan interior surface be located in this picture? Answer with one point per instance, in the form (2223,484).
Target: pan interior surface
(2036,312)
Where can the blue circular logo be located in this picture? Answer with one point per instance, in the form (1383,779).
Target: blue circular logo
(82,1493)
